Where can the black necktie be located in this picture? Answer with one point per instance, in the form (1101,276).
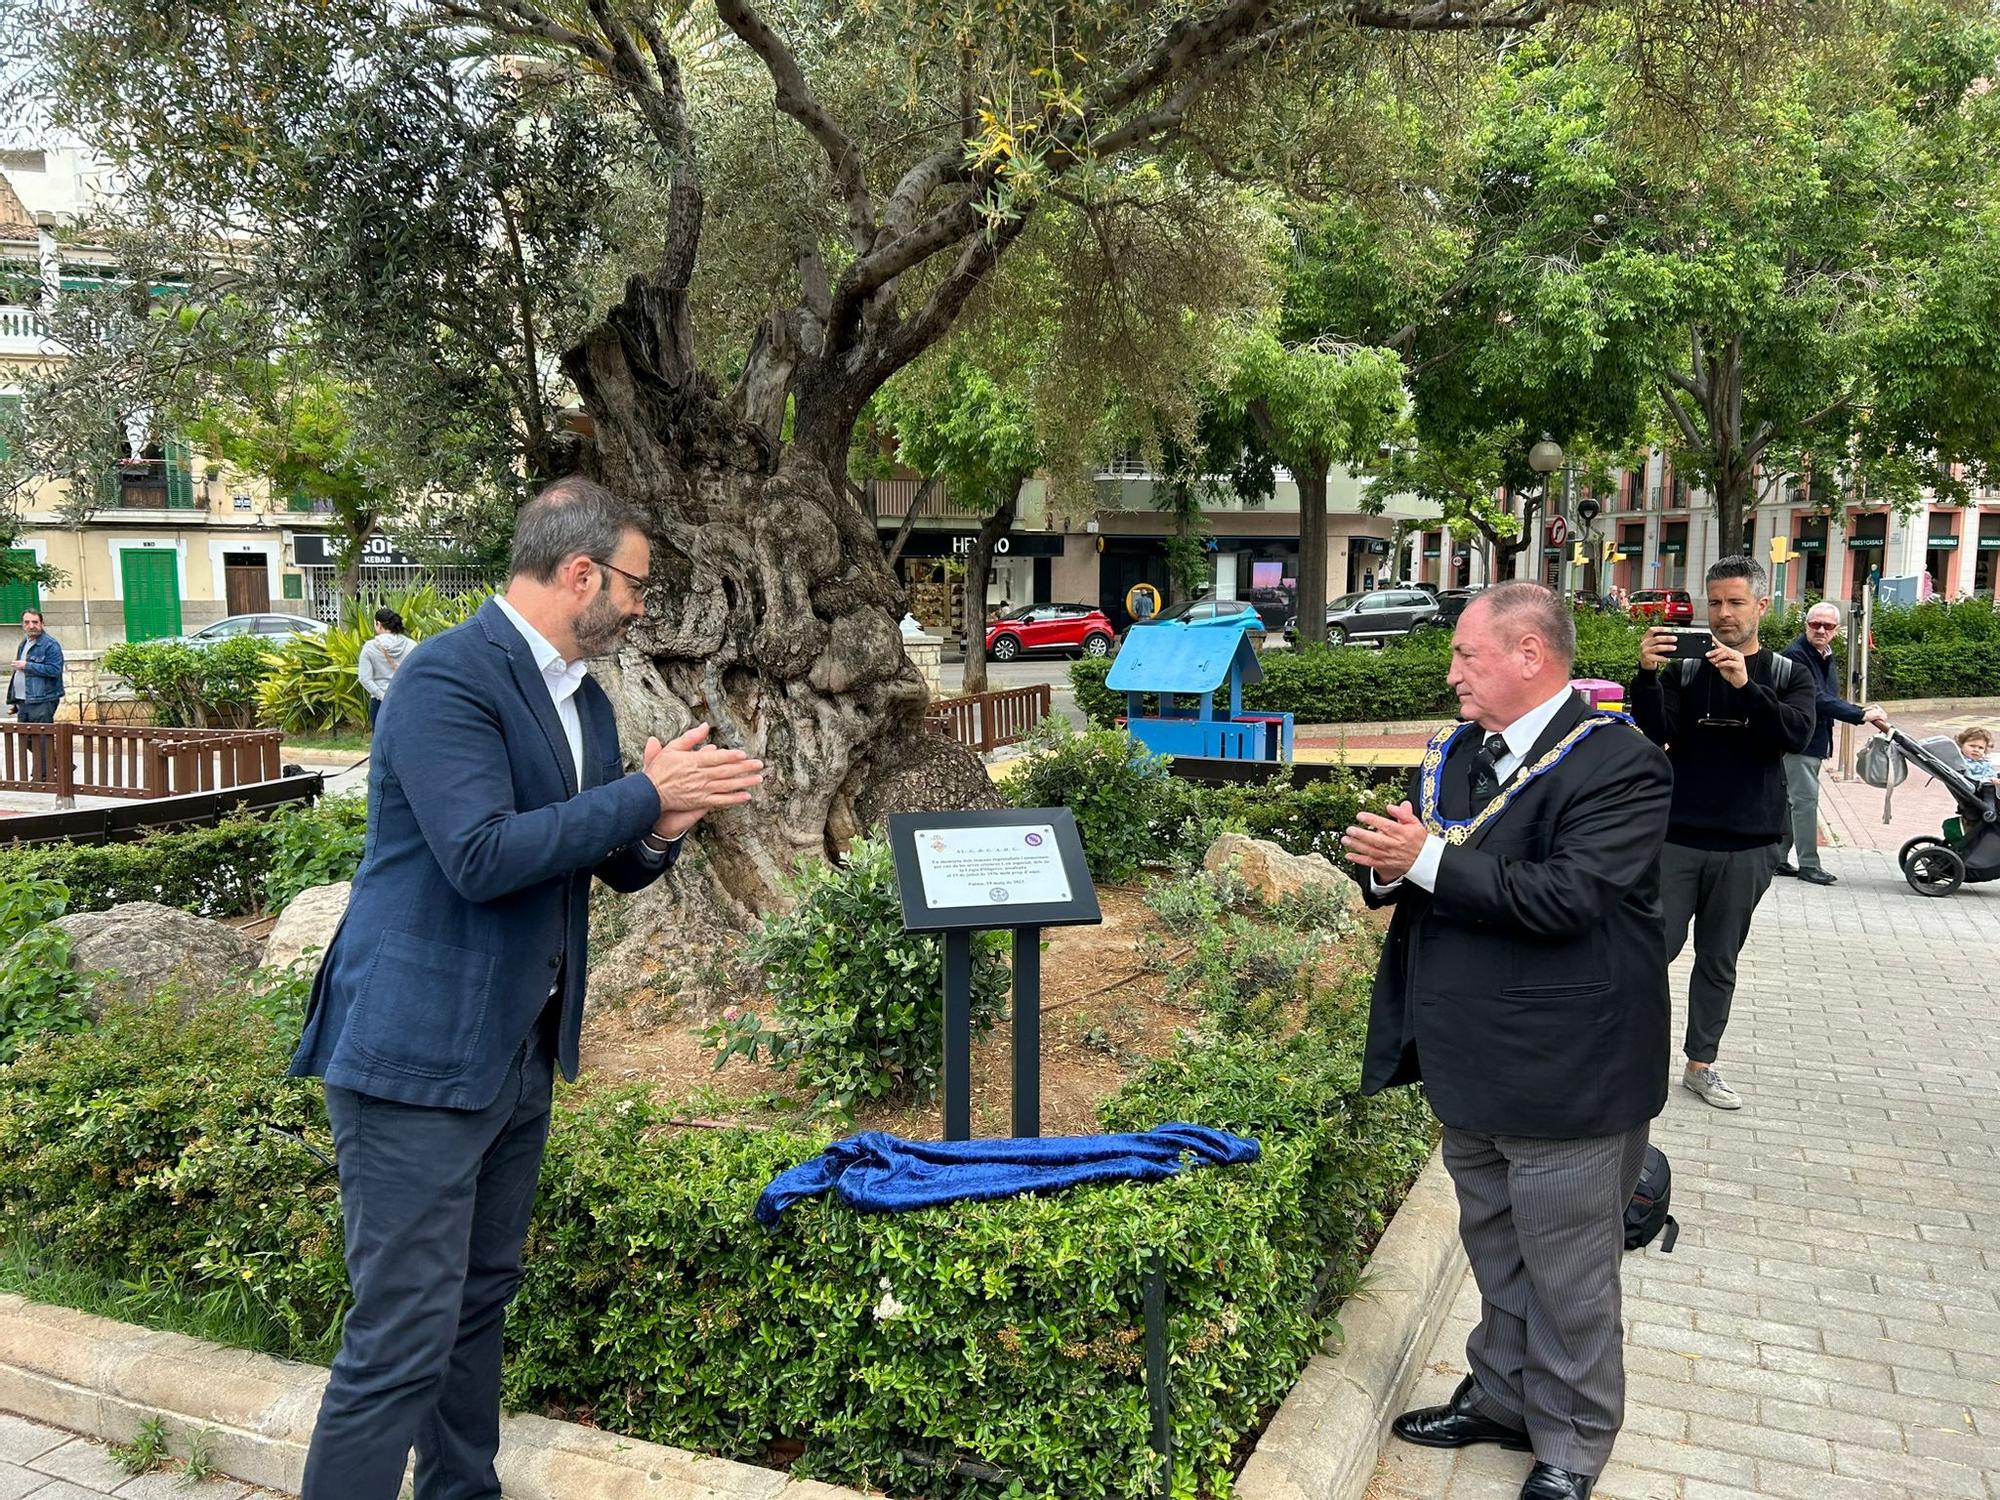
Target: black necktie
(1486,770)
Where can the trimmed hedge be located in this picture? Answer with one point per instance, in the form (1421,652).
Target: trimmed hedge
(1366,685)
(240,865)
(891,1346)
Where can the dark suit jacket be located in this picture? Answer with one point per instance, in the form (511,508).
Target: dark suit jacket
(1529,992)
(472,896)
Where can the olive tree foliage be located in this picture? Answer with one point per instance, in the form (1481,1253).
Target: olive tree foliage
(727,229)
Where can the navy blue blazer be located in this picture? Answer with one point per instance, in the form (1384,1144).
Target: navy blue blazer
(472,896)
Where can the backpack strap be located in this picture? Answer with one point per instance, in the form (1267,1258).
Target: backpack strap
(1668,1235)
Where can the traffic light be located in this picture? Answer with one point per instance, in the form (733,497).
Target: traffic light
(1781,550)
(1579,557)
(1610,550)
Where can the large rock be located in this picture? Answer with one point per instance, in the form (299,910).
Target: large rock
(141,947)
(307,926)
(1272,874)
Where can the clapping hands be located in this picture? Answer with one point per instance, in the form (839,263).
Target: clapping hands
(694,778)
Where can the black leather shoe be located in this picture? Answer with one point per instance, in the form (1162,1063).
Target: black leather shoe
(1818,876)
(1784,867)
(1547,1482)
(1456,1425)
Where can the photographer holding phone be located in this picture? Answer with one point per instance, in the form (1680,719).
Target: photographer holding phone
(1727,718)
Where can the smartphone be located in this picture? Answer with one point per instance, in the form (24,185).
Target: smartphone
(1689,642)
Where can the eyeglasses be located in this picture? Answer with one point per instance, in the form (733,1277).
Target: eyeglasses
(1822,625)
(637,582)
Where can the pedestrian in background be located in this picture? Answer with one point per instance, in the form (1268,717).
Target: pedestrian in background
(36,684)
(380,658)
(1727,719)
(1813,653)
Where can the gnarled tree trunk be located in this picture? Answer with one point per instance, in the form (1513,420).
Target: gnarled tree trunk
(773,615)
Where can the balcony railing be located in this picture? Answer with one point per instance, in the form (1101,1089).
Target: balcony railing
(893,498)
(24,331)
(147,484)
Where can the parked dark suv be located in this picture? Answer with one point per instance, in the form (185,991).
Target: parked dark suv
(1378,615)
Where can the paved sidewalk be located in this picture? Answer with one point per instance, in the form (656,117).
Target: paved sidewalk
(1828,1327)
(46,1463)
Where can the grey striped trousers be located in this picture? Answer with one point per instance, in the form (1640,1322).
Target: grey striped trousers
(1543,1225)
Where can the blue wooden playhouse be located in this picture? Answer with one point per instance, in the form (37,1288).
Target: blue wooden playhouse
(1197,661)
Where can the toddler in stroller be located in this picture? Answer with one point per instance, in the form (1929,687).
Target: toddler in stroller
(1968,848)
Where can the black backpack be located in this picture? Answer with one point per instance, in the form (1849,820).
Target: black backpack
(1646,1215)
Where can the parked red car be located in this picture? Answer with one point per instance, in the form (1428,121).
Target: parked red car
(1666,606)
(1082,629)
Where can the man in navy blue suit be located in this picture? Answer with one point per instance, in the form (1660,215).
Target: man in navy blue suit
(454,986)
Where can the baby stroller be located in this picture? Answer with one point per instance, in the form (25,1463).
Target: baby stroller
(1969,849)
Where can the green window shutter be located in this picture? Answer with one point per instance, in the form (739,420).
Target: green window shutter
(152,594)
(107,488)
(15,597)
(295,586)
(298,499)
(10,413)
(180,475)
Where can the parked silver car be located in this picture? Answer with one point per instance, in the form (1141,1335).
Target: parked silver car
(275,628)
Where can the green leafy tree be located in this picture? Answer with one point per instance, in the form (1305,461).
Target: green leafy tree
(1804,285)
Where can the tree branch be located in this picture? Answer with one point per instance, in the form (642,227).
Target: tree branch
(796,98)
(1681,417)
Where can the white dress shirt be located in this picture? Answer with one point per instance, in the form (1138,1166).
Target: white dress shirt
(561,678)
(1520,737)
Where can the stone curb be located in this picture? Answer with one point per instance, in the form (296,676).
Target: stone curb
(1325,1441)
(62,1367)
(103,1379)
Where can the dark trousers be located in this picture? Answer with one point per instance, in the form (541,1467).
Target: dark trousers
(43,711)
(1543,1223)
(435,1204)
(374,711)
(1718,889)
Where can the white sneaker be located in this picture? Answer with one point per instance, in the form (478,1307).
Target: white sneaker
(1706,1084)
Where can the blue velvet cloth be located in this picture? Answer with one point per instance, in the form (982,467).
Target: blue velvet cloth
(880,1173)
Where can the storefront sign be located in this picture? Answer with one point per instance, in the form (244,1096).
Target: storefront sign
(961,543)
(316,549)
(1942,544)
(1866,543)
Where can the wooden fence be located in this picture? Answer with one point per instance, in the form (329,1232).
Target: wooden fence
(126,821)
(986,721)
(115,760)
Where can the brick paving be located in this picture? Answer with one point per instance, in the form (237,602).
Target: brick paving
(1828,1327)
(38,1462)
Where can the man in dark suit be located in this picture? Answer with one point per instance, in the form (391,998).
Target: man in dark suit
(1523,982)
(454,986)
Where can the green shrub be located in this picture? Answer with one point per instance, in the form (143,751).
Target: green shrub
(857,1002)
(230,869)
(1937,622)
(1110,783)
(38,993)
(320,845)
(176,1156)
(312,686)
(1935,668)
(155,1148)
(213,686)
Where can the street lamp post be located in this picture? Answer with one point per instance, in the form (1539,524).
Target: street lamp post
(1545,458)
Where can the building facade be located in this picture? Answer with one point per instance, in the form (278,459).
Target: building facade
(1664,534)
(166,541)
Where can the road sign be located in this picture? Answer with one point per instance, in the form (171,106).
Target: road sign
(1558,531)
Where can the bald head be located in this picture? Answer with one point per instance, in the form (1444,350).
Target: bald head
(1512,651)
